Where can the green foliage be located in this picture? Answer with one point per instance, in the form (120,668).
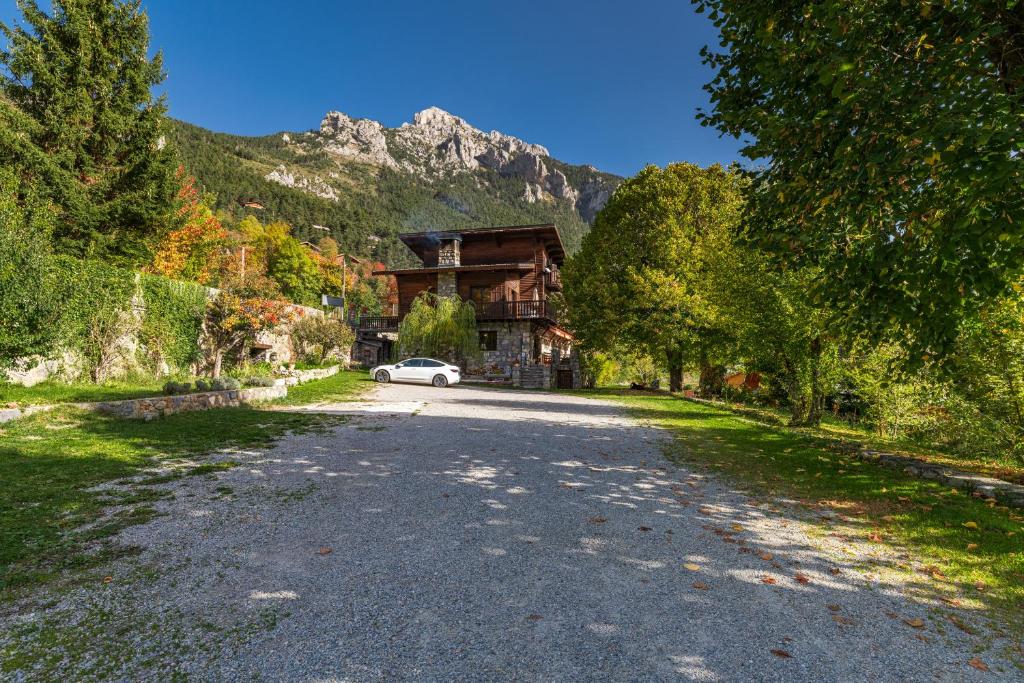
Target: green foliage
(96,301)
(317,337)
(173,320)
(439,327)
(29,305)
(643,274)
(81,78)
(292,268)
(891,136)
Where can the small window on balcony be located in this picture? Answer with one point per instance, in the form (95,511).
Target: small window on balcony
(488,341)
(480,296)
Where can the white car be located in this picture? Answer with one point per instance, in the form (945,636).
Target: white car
(421,370)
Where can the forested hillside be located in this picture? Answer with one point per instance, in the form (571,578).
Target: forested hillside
(361,204)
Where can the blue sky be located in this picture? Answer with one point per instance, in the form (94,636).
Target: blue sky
(606,82)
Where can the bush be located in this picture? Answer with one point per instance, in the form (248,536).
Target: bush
(258,381)
(203,385)
(173,320)
(226,384)
(174,388)
(317,337)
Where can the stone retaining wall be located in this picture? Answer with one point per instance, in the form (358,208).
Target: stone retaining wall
(301,376)
(157,406)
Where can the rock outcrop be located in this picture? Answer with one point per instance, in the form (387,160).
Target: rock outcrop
(437,145)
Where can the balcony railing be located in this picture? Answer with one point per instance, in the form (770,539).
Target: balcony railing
(380,323)
(516,310)
(494,310)
(553,280)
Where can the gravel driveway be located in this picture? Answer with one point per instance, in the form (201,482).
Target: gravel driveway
(482,534)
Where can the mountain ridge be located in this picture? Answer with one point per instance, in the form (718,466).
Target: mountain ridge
(363,183)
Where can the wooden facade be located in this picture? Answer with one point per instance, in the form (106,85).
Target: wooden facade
(508,274)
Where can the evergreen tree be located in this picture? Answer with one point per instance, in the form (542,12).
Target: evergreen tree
(82,76)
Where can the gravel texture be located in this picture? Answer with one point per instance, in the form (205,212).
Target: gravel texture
(482,534)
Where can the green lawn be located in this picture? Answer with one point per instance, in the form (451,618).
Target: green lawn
(347,385)
(1006,468)
(78,392)
(977,548)
(49,461)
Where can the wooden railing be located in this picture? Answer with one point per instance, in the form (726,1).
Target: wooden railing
(553,280)
(494,310)
(516,310)
(378,322)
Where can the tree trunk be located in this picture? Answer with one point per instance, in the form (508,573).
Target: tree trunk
(675,370)
(817,402)
(712,378)
(218,357)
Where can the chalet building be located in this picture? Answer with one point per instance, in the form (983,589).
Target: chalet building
(508,274)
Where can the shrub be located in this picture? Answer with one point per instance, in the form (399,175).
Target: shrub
(226,384)
(258,381)
(173,320)
(173,388)
(203,385)
(317,337)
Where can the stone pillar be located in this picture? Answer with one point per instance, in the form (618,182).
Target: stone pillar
(447,284)
(517,380)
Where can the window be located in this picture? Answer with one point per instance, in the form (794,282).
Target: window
(480,295)
(413,363)
(432,364)
(489,341)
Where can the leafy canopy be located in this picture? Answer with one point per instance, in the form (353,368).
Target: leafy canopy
(891,135)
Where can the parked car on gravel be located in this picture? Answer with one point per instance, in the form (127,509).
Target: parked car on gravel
(419,370)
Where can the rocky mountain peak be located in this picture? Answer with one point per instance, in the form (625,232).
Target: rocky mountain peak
(438,144)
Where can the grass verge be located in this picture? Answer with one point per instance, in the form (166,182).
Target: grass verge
(346,385)
(971,547)
(81,392)
(52,519)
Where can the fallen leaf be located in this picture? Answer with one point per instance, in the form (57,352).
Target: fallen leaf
(644,528)
(835,571)
(768,580)
(534,617)
(737,527)
(597,520)
(692,567)
(971,525)
(108,579)
(325,550)
(972,546)
(960,625)
(840,619)
(978,664)
(701,586)
(765,556)
(802,579)
(875,537)
(980,585)
(781,654)
(833,608)
(916,623)
(445,495)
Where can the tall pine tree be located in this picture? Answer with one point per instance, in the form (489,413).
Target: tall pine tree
(83,78)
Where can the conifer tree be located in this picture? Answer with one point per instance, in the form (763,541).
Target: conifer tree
(82,76)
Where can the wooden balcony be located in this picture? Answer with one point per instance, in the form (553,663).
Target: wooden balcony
(553,280)
(516,310)
(495,310)
(378,323)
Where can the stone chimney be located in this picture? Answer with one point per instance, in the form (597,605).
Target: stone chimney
(448,254)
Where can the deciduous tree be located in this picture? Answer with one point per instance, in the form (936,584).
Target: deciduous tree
(890,134)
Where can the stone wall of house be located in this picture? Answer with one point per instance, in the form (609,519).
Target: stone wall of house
(447,283)
(515,344)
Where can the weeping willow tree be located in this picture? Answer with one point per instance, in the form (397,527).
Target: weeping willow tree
(439,327)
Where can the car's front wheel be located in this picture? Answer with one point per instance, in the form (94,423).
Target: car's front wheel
(440,381)
(382,376)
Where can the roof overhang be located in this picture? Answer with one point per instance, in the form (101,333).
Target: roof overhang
(421,242)
(523,266)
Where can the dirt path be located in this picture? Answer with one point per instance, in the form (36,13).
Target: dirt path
(478,534)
